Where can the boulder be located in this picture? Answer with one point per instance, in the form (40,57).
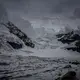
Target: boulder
(71,75)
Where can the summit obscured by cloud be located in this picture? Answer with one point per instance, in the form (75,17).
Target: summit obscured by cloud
(57,13)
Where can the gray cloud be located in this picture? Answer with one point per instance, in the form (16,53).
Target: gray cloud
(44,10)
(41,6)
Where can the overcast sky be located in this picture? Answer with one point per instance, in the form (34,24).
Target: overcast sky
(41,7)
(50,13)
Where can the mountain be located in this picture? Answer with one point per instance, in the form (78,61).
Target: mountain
(24,25)
(17,32)
(11,37)
(9,42)
(65,29)
(72,38)
(45,38)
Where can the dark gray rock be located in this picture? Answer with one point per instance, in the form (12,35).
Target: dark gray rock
(15,45)
(70,38)
(75,62)
(68,66)
(71,75)
(17,32)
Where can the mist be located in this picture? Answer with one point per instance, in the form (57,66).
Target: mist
(45,13)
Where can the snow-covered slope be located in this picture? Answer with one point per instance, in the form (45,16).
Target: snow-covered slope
(10,36)
(9,42)
(65,30)
(4,32)
(46,38)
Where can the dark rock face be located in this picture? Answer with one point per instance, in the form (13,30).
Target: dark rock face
(66,38)
(15,45)
(71,75)
(70,38)
(4,78)
(14,30)
(74,49)
(59,35)
(68,66)
(76,37)
(74,62)
(78,43)
(3,63)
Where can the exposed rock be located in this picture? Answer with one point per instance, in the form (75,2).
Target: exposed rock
(15,45)
(74,62)
(66,38)
(59,35)
(59,78)
(4,78)
(14,30)
(70,38)
(68,66)
(3,63)
(74,49)
(71,75)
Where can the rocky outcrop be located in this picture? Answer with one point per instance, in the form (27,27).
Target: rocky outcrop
(9,42)
(70,38)
(14,30)
(66,38)
(71,75)
(15,45)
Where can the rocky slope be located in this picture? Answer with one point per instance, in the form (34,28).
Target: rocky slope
(17,32)
(23,25)
(9,42)
(10,34)
(72,39)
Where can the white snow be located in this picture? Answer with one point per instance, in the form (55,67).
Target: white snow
(58,52)
(47,47)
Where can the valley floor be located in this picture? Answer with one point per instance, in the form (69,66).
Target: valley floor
(38,64)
